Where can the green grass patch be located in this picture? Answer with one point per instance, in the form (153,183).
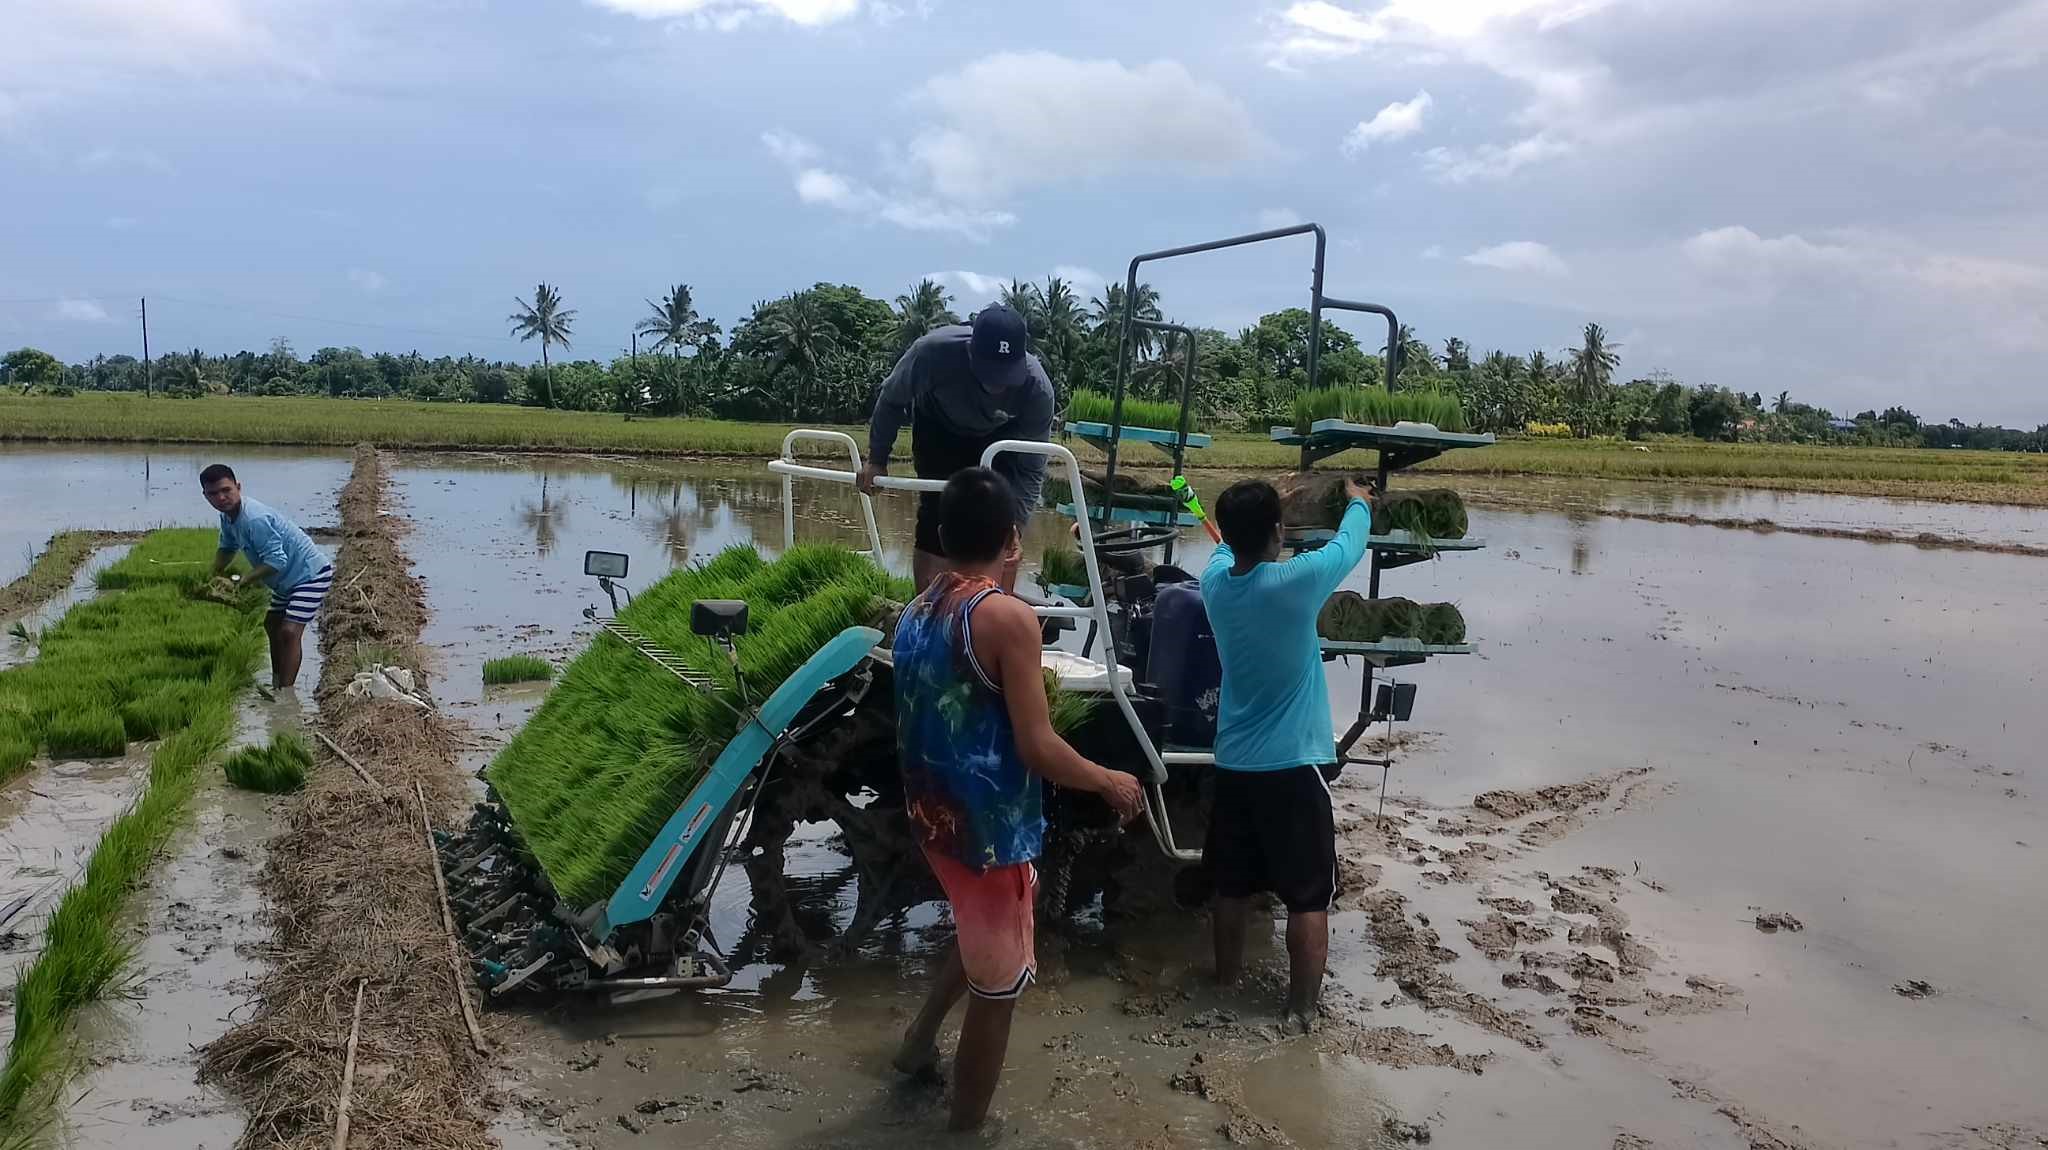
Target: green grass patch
(619,742)
(517,669)
(274,768)
(1086,406)
(1377,407)
(149,655)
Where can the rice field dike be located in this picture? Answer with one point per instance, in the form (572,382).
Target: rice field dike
(1913,473)
(52,568)
(149,658)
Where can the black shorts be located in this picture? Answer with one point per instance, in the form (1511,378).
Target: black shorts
(1274,831)
(937,452)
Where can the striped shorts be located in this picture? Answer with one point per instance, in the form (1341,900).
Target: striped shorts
(301,603)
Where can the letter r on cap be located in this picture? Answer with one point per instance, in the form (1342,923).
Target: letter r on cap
(1003,347)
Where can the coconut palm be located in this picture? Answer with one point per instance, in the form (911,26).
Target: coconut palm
(1022,298)
(1107,312)
(1593,364)
(674,323)
(1784,403)
(922,309)
(546,320)
(1060,313)
(800,337)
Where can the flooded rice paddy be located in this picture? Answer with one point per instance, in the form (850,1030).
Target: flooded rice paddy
(1844,732)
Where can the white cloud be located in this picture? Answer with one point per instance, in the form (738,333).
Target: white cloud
(1271,218)
(971,289)
(726,15)
(366,281)
(102,47)
(1084,280)
(1520,256)
(1491,161)
(1397,120)
(823,187)
(1433,252)
(81,311)
(1018,119)
(789,147)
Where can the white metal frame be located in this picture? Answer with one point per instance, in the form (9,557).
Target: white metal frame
(1097,610)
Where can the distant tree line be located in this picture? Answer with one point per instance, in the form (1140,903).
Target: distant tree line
(819,354)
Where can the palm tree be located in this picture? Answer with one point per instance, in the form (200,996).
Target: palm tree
(675,322)
(1060,311)
(546,320)
(1022,298)
(1593,363)
(1415,354)
(1107,311)
(1784,403)
(919,311)
(801,338)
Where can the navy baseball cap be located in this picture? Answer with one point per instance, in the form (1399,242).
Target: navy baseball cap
(996,351)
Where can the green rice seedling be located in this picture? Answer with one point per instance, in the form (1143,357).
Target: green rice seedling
(1376,407)
(517,669)
(92,733)
(165,709)
(17,745)
(275,768)
(1352,618)
(1069,709)
(1062,565)
(619,742)
(1087,406)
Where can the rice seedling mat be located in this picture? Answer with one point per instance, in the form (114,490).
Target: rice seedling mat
(1403,446)
(1161,438)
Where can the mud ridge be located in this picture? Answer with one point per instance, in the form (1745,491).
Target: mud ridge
(52,571)
(1926,540)
(352,893)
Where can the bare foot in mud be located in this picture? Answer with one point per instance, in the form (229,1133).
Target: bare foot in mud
(1300,1022)
(918,1063)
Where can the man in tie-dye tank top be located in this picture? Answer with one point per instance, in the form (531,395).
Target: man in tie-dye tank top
(974,735)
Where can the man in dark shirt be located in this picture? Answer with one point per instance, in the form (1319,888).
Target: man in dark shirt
(962,388)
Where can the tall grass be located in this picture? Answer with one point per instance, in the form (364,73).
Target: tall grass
(619,742)
(127,651)
(1086,406)
(1377,407)
(517,669)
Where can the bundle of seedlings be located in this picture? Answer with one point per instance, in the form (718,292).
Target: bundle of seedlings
(147,661)
(1317,499)
(618,744)
(1378,407)
(517,669)
(1349,617)
(274,768)
(1087,406)
(1062,565)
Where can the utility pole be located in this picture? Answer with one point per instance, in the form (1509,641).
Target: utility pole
(148,368)
(636,354)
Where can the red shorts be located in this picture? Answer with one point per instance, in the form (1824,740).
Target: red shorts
(993,921)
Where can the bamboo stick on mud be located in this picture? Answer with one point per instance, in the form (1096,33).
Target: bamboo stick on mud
(348,1070)
(350,760)
(476,1030)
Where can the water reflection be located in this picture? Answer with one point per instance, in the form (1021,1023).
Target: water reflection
(543,520)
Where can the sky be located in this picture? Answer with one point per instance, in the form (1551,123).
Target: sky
(1842,199)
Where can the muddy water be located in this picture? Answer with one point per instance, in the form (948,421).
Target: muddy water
(134,488)
(1837,730)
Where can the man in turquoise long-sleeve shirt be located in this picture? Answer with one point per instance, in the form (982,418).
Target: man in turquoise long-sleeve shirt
(1272,827)
(281,557)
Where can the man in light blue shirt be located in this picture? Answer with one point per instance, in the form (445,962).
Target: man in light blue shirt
(282,557)
(1272,828)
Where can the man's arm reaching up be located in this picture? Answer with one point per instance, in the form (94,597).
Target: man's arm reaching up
(1006,644)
